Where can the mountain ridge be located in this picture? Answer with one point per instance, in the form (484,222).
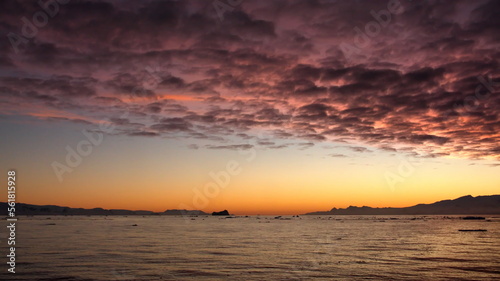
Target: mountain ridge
(22,209)
(468,204)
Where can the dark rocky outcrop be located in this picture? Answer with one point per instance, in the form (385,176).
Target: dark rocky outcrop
(473,218)
(221,213)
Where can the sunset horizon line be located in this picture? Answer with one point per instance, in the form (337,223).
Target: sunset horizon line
(253,213)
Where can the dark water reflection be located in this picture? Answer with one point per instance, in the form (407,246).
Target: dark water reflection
(211,248)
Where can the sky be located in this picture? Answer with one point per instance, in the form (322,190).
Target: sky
(257,107)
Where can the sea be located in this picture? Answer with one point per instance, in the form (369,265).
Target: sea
(253,248)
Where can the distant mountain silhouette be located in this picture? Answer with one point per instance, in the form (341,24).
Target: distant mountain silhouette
(184,212)
(466,205)
(28,209)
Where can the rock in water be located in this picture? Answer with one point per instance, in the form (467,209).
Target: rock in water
(221,213)
(473,218)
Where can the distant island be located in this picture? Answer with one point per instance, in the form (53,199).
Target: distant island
(28,209)
(176,212)
(466,205)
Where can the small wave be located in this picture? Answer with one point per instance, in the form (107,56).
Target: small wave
(191,272)
(222,253)
(441,259)
(478,269)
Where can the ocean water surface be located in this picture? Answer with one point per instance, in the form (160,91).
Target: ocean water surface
(254,248)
